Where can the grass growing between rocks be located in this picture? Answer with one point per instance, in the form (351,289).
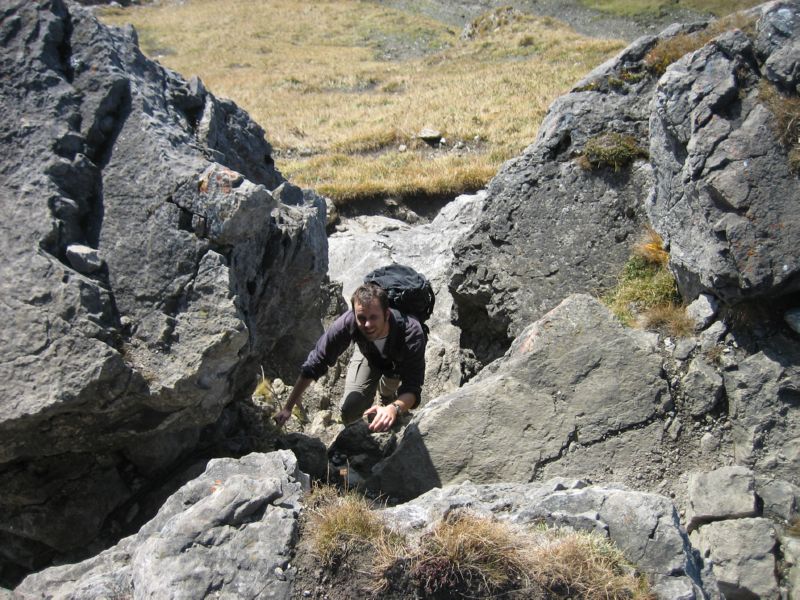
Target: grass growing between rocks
(466,556)
(612,149)
(340,87)
(342,522)
(786,110)
(669,50)
(646,293)
(475,555)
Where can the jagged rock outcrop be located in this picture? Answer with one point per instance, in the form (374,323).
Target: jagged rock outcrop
(550,227)
(718,185)
(728,529)
(764,402)
(147,270)
(644,526)
(233,531)
(229,531)
(726,197)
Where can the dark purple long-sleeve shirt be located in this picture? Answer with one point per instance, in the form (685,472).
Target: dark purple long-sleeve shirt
(405,350)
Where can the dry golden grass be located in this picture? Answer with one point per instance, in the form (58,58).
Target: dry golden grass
(312,75)
(337,523)
(586,566)
(793,527)
(668,51)
(650,247)
(669,318)
(786,110)
(470,554)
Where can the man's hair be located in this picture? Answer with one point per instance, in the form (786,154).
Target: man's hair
(368,292)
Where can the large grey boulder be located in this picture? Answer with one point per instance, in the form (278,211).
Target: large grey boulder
(575,377)
(644,526)
(229,532)
(725,198)
(146,271)
(550,228)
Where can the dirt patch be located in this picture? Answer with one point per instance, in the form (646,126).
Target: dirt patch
(352,578)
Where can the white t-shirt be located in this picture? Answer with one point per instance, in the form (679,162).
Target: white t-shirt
(380,344)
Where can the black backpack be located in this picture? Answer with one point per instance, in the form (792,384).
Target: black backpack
(409,292)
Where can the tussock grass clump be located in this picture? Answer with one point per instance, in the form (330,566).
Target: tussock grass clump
(473,555)
(668,51)
(612,149)
(670,318)
(467,555)
(793,527)
(786,110)
(587,566)
(340,522)
(642,286)
(646,293)
(650,247)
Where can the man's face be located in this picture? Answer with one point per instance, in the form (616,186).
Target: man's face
(372,320)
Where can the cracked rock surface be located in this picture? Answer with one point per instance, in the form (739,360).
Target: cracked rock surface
(141,247)
(575,377)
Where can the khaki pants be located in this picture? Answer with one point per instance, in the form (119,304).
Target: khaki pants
(360,385)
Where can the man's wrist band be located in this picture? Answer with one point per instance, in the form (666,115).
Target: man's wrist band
(397,408)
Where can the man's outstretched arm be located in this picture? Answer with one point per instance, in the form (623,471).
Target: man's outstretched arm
(295,397)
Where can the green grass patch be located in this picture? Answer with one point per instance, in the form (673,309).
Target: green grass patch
(612,149)
(641,286)
(643,8)
(646,293)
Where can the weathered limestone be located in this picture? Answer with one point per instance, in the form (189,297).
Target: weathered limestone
(230,530)
(741,551)
(726,493)
(725,197)
(146,272)
(762,394)
(576,376)
(551,228)
(702,387)
(644,526)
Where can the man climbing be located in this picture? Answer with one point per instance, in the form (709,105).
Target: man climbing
(389,356)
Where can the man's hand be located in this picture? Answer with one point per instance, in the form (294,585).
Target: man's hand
(283,416)
(384,417)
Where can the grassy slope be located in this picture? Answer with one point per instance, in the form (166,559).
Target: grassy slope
(311,73)
(343,87)
(633,8)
